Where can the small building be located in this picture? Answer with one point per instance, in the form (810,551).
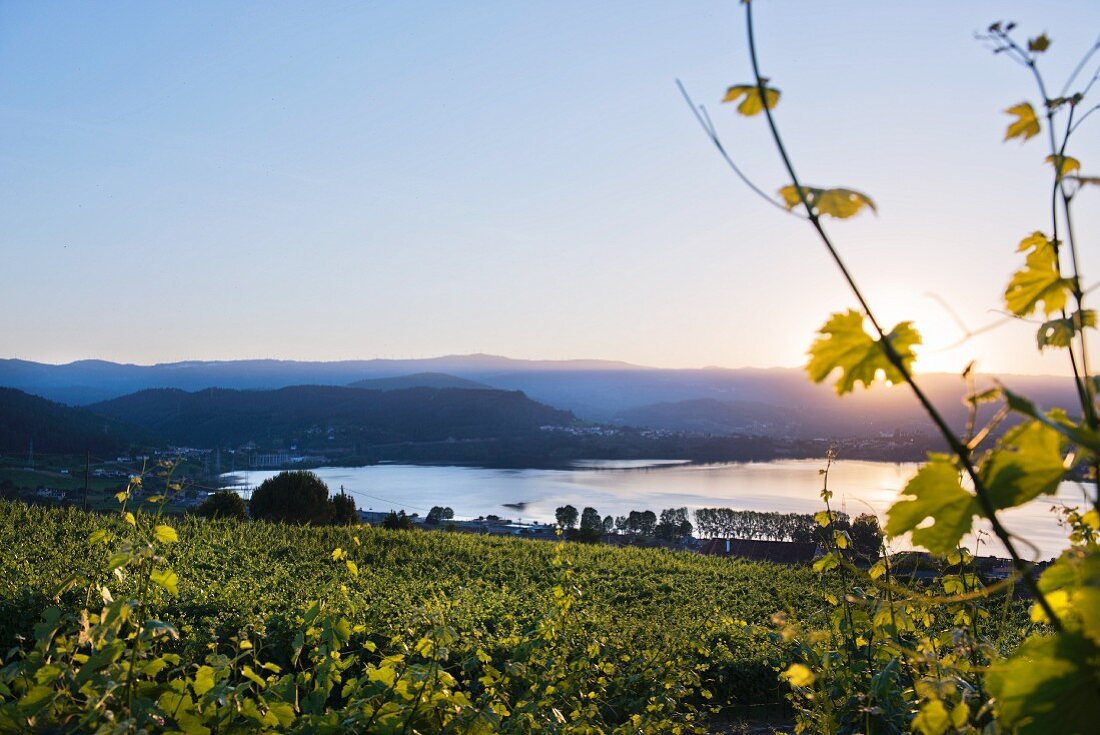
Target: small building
(777,552)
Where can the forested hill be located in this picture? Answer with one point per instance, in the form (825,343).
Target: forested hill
(320,417)
(53,427)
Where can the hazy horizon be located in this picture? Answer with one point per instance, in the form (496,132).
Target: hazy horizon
(563,361)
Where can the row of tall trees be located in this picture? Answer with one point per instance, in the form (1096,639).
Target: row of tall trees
(752,524)
(674,524)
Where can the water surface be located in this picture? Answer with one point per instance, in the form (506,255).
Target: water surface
(615,487)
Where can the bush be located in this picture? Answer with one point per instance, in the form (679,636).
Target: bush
(223,504)
(292,497)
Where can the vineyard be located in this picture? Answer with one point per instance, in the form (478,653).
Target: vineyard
(629,636)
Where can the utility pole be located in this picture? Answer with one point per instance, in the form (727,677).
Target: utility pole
(87,463)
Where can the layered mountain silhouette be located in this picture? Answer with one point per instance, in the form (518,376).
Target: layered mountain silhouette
(774,402)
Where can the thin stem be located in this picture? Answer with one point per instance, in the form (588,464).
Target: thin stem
(1080,65)
(708,127)
(957,447)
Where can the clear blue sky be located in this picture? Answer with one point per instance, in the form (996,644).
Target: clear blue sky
(393,179)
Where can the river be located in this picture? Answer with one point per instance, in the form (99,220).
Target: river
(616,487)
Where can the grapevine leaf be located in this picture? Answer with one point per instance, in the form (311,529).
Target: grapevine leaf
(1072,587)
(1060,332)
(1078,434)
(204,680)
(752,104)
(1026,124)
(165,578)
(1063,164)
(1027,463)
(166,534)
(933,719)
(935,493)
(1039,44)
(799,675)
(1038,281)
(839,203)
(1048,685)
(844,345)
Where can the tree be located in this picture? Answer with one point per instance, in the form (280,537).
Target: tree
(292,497)
(397,521)
(438,514)
(866,536)
(674,524)
(223,504)
(591,521)
(608,524)
(344,512)
(566,516)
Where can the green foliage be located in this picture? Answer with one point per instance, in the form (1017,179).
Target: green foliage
(1039,281)
(291,497)
(343,511)
(397,521)
(845,346)
(922,657)
(444,632)
(438,513)
(223,504)
(566,516)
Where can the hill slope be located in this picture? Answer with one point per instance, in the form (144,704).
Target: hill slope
(419,380)
(56,428)
(323,416)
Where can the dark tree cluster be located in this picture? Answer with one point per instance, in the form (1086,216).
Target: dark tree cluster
(438,514)
(301,497)
(224,504)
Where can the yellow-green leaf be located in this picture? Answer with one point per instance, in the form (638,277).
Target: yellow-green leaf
(1049,685)
(845,346)
(1026,124)
(933,719)
(253,676)
(1072,587)
(934,493)
(166,534)
(1026,463)
(353,568)
(1060,332)
(1063,164)
(752,104)
(204,680)
(165,578)
(839,203)
(1038,281)
(129,518)
(799,675)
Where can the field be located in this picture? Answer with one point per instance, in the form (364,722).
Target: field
(653,619)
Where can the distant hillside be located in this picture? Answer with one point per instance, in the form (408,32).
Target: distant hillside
(419,380)
(320,417)
(55,428)
(593,390)
(710,416)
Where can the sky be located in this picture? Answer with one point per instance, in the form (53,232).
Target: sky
(346,180)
